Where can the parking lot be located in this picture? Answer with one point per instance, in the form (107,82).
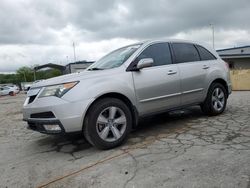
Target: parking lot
(179,149)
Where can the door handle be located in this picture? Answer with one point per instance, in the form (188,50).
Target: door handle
(205,67)
(170,72)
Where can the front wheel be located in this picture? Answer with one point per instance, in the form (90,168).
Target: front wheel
(11,93)
(216,100)
(107,123)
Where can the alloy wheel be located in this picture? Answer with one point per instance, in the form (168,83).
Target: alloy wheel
(111,124)
(218,99)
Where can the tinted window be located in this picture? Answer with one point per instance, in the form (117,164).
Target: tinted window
(185,52)
(205,54)
(159,52)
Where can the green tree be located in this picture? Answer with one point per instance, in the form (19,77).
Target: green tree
(25,74)
(8,78)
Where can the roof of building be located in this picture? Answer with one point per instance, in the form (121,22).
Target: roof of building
(80,62)
(236,52)
(60,67)
(237,56)
(50,65)
(233,48)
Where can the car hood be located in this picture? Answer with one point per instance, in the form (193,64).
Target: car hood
(73,77)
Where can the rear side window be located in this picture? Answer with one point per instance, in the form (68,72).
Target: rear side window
(185,52)
(205,54)
(159,52)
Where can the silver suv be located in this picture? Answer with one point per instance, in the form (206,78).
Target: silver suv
(106,100)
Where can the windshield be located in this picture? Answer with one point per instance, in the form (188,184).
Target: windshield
(115,58)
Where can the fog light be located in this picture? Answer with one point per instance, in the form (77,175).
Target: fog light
(52,127)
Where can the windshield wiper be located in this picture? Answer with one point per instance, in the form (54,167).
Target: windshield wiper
(94,68)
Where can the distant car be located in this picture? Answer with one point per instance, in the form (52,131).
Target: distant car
(8,90)
(4,91)
(15,88)
(107,99)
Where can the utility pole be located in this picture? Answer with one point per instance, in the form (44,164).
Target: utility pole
(67,59)
(74,50)
(212,27)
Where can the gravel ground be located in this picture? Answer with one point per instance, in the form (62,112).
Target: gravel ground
(178,149)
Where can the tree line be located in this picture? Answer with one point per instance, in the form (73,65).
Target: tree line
(26,74)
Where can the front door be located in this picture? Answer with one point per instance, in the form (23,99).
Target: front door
(157,87)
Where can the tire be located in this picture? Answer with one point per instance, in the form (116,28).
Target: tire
(104,118)
(215,103)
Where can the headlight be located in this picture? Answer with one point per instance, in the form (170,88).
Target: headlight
(57,90)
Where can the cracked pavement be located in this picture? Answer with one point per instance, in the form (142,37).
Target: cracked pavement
(179,149)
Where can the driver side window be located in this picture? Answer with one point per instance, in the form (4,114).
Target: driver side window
(159,52)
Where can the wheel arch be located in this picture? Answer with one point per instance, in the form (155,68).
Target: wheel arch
(121,97)
(222,82)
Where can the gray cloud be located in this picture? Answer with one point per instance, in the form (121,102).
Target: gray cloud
(165,18)
(36,21)
(54,24)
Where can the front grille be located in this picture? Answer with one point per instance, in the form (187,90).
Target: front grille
(43,115)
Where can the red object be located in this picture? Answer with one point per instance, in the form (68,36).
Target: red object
(12,93)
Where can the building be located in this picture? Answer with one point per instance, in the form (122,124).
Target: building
(237,58)
(77,66)
(67,69)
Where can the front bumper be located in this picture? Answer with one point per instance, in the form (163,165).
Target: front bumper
(68,115)
(40,126)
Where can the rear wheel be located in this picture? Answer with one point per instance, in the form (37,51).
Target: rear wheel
(216,100)
(107,123)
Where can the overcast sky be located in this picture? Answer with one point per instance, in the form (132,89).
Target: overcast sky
(38,32)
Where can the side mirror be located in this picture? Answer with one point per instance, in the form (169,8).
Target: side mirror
(143,63)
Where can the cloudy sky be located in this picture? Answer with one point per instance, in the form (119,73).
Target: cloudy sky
(38,32)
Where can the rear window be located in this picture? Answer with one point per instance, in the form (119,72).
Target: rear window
(205,54)
(185,52)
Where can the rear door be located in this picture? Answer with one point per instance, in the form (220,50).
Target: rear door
(157,87)
(193,72)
